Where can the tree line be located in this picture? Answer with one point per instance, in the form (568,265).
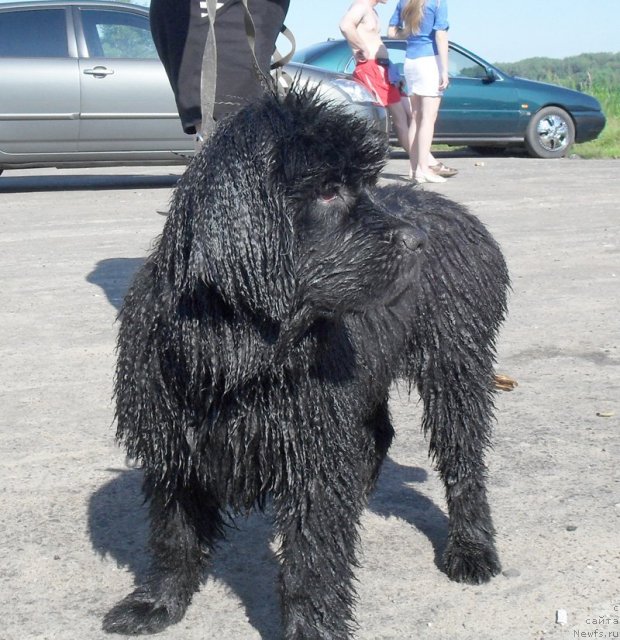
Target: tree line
(580,72)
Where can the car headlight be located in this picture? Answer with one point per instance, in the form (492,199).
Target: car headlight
(354,91)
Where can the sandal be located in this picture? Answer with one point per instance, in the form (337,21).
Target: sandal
(442,170)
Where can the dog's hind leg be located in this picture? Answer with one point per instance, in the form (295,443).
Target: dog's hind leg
(182,532)
(382,433)
(459,307)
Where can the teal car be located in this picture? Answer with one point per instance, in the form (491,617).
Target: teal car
(487,109)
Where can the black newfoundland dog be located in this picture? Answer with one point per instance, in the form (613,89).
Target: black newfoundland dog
(259,342)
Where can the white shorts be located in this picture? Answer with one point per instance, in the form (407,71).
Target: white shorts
(422,76)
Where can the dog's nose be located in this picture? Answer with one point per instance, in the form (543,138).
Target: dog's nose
(409,237)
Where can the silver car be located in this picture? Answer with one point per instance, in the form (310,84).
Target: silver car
(81,85)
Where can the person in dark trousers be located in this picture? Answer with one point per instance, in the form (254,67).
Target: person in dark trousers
(180,29)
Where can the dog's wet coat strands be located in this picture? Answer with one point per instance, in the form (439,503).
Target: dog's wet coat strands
(259,342)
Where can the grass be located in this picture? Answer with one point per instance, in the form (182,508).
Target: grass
(607,145)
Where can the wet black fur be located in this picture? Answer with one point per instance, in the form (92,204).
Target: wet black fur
(258,345)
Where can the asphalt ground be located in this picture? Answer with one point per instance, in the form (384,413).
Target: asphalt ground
(72,524)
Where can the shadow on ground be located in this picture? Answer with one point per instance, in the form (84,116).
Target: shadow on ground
(113,276)
(444,153)
(84,182)
(245,561)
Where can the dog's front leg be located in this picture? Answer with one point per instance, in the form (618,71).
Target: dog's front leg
(455,381)
(182,531)
(318,528)
(458,307)
(459,433)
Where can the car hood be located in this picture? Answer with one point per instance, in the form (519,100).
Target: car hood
(547,93)
(312,73)
(330,85)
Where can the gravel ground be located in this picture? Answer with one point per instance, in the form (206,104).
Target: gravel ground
(73,527)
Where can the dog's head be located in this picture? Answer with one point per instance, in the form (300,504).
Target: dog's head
(276,218)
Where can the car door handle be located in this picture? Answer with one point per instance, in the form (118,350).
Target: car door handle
(98,72)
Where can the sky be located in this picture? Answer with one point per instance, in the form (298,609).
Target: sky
(497,30)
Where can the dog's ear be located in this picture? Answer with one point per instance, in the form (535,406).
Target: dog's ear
(228,229)
(231,226)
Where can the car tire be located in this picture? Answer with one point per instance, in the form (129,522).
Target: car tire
(487,150)
(550,133)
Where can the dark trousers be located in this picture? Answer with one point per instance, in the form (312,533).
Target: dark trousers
(180,32)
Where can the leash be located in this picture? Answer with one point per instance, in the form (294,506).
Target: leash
(282,79)
(208,78)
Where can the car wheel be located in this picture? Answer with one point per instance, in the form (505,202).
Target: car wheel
(550,133)
(488,151)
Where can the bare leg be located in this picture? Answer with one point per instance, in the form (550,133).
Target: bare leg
(425,128)
(401,123)
(413,110)
(415,105)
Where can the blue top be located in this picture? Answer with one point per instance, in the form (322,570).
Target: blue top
(434,18)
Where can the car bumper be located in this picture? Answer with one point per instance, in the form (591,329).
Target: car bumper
(377,114)
(588,125)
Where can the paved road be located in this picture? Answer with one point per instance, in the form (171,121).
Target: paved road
(72,528)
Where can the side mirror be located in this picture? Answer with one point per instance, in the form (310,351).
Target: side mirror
(490,77)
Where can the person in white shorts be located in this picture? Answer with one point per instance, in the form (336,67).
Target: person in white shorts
(425,25)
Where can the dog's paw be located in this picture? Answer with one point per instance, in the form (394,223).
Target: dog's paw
(143,612)
(472,563)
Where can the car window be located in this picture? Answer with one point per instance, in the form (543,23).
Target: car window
(462,66)
(459,65)
(38,33)
(116,34)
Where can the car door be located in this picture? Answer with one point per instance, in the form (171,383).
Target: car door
(477,104)
(127,103)
(474,105)
(39,83)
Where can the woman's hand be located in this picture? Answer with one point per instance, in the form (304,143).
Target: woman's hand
(444,81)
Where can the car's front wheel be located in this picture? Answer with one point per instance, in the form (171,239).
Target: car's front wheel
(550,133)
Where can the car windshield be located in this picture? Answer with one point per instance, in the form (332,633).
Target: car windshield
(309,54)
